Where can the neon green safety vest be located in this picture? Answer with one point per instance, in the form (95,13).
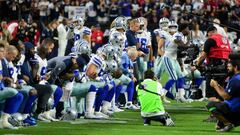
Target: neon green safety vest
(150,102)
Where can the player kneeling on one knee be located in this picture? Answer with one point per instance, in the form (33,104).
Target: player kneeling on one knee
(150,94)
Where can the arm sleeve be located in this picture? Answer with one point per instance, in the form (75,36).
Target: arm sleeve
(208,44)
(131,39)
(124,65)
(149,41)
(233,88)
(56,72)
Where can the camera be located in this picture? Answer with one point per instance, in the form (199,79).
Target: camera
(214,72)
(191,52)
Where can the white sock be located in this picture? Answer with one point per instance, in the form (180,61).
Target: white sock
(106,105)
(203,88)
(126,96)
(113,101)
(181,93)
(81,106)
(90,98)
(164,91)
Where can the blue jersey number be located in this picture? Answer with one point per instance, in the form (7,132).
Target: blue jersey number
(43,71)
(143,42)
(11,71)
(76,37)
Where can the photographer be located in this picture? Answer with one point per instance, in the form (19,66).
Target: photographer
(216,51)
(150,95)
(227,111)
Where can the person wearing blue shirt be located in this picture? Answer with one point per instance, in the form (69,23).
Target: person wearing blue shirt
(127,77)
(227,111)
(130,34)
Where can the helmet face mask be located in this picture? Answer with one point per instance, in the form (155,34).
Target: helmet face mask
(163,23)
(173,27)
(116,39)
(81,47)
(78,21)
(108,51)
(120,23)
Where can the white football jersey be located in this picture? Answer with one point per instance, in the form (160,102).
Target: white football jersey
(17,69)
(98,61)
(171,48)
(42,70)
(12,71)
(144,39)
(165,35)
(78,34)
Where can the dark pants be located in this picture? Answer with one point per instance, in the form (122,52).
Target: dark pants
(44,92)
(210,91)
(159,118)
(221,108)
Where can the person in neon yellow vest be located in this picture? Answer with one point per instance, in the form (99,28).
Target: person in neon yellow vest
(150,96)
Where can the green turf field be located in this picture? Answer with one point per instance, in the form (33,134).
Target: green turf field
(188,119)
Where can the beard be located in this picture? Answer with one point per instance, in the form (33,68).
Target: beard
(230,73)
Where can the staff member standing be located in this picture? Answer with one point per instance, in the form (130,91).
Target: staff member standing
(216,52)
(131,33)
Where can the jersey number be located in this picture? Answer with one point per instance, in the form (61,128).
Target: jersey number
(43,71)
(143,42)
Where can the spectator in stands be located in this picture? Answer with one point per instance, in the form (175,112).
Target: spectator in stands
(235,19)
(176,8)
(35,10)
(5,35)
(102,11)
(113,10)
(187,6)
(54,7)
(90,11)
(197,34)
(135,9)
(197,6)
(210,7)
(97,38)
(25,8)
(44,10)
(14,8)
(47,32)
(147,8)
(220,29)
(125,6)
(153,19)
(223,11)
